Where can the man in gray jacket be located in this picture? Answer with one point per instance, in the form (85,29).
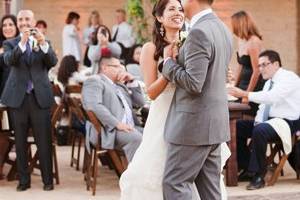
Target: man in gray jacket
(198,120)
(112,101)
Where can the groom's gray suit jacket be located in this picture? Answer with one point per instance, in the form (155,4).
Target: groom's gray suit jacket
(99,96)
(199,111)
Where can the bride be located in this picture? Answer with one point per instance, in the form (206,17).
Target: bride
(143,178)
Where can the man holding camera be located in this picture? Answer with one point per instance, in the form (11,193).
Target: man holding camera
(28,94)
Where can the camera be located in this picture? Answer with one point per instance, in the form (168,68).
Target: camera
(33,31)
(103,31)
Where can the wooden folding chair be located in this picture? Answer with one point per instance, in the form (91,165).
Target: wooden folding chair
(74,107)
(119,163)
(276,149)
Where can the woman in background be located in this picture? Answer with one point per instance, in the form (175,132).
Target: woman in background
(71,36)
(8,30)
(249,46)
(102,44)
(133,66)
(68,73)
(94,22)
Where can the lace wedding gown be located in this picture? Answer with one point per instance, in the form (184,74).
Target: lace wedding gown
(143,178)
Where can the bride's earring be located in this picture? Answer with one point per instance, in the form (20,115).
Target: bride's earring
(162,31)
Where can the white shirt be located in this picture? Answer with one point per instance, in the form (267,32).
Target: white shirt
(199,15)
(71,42)
(127,118)
(284,97)
(125,34)
(87,34)
(33,44)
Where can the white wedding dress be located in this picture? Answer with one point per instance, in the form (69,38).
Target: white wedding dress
(143,178)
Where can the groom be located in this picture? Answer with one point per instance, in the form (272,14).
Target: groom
(198,120)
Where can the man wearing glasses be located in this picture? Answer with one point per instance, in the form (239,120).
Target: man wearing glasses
(280,98)
(111,94)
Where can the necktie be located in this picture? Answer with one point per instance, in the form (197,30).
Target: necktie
(116,34)
(28,49)
(29,85)
(128,113)
(267,106)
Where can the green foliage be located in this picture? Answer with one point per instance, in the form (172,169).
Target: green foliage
(137,17)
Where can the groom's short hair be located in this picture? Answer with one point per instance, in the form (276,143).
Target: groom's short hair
(210,2)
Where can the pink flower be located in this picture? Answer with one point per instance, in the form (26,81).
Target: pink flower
(105,52)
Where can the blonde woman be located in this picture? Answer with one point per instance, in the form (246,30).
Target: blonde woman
(94,22)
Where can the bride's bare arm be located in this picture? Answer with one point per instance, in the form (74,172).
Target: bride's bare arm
(154,84)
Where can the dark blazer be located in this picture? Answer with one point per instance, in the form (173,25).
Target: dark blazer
(4,72)
(22,70)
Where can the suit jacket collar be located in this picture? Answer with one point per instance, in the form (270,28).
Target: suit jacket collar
(16,40)
(106,79)
(206,17)
(199,15)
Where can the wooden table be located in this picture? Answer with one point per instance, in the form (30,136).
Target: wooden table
(235,112)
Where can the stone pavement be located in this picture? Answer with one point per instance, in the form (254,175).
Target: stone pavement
(72,186)
(283,196)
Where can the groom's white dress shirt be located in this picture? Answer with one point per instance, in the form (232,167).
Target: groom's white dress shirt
(284,97)
(199,15)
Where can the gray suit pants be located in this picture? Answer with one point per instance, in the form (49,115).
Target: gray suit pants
(128,142)
(188,164)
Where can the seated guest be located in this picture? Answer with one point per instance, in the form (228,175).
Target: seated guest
(133,66)
(279,99)
(106,94)
(102,45)
(68,72)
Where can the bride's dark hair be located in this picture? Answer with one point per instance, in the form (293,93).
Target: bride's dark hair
(158,39)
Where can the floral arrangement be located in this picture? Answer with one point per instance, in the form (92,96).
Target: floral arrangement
(137,17)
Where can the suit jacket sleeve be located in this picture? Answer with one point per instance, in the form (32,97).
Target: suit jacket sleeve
(2,63)
(197,53)
(137,96)
(50,58)
(12,53)
(92,96)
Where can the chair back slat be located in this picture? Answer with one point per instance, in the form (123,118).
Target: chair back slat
(73,89)
(94,120)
